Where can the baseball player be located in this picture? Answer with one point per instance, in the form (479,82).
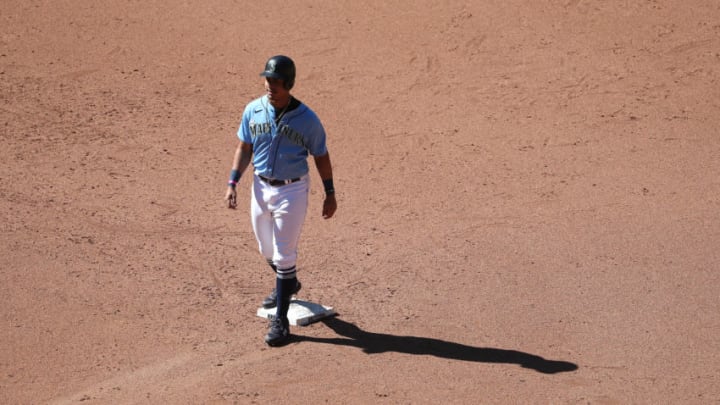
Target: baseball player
(277,134)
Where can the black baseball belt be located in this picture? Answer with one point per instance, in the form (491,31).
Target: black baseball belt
(276,182)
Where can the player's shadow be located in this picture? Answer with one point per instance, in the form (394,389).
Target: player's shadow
(372,343)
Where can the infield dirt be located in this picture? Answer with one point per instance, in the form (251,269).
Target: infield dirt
(529,202)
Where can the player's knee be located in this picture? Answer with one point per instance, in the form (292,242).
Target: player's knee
(266,252)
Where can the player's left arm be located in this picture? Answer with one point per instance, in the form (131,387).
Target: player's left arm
(324,168)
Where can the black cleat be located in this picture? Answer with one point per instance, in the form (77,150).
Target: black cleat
(278,332)
(271,300)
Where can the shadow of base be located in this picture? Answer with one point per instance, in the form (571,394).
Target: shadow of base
(372,343)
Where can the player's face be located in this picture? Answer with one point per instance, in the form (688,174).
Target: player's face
(276,91)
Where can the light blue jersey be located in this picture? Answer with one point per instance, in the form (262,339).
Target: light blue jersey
(280,150)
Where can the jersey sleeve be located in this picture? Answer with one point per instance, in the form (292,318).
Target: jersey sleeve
(317,144)
(244,131)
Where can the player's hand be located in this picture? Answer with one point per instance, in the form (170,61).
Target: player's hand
(329,206)
(231,198)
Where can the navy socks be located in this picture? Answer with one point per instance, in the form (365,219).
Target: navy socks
(285,287)
(285,284)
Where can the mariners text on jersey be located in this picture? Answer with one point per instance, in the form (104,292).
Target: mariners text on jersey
(284,129)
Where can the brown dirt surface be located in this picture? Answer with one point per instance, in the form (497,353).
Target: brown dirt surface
(529,202)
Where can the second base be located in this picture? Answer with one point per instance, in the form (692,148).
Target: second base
(301,313)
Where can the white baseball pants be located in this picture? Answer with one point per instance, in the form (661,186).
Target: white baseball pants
(278,214)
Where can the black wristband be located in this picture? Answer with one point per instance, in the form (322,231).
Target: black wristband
(329,188)
(234,178)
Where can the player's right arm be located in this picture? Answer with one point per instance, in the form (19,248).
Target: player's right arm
(241,161)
